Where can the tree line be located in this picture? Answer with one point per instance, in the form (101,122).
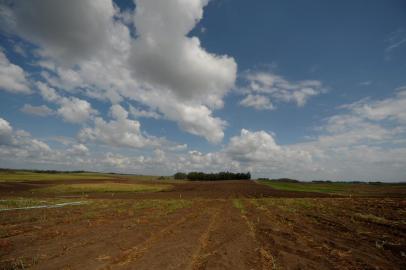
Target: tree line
(194,176)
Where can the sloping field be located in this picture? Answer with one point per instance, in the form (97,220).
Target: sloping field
(200,225)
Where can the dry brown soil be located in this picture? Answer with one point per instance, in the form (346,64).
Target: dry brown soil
(206,225)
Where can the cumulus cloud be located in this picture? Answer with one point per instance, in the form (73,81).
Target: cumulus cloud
(349,146)
(5,132)
(65,30)
(119,131)
(197,119)
(74,110)
(92,49)
(20,145)
(178,68)
(48,93)
(269,87)
(78,150)
(86,47)
(12,77)
(166,58)
(18,148)
(41,110)
(252,146)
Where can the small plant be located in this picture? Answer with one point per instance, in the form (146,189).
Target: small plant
(239,205)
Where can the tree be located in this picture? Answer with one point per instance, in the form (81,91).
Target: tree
(180,176)
(193,176)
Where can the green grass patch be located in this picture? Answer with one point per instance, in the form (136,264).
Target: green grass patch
(103,187)
(21,176)
(169,205)
(239,205)
(310,187)
(339,188)
(286,204)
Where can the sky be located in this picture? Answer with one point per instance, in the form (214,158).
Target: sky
(305,89)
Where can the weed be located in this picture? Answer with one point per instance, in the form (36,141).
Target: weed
(239,205)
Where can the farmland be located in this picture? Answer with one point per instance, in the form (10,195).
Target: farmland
(103,221)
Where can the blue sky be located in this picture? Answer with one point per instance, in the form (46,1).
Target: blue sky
(301,89)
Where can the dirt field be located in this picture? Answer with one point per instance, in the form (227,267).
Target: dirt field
(201,225)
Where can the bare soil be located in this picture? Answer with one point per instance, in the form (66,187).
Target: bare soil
(221,225)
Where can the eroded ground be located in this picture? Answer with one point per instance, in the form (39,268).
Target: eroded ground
(203,225)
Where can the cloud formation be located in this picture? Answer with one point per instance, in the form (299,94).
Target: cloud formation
(119,131)
(258,102)
(41,110)
(264,88)
(145,64)
(71,109)
(65,30)
(86,46)
(353,144)
(12,77)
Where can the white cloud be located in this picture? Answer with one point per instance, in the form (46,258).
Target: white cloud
(92,52)
(5,132)
(118,132)
(349,146)
(186,80)
(390,108)
(144,113)
(12,77)
(42,110)
(78,150)
(164,57)
(19,149)
(85,48)
(277,88)
(395,40)
(258,102)
(19,145)
(252,146)
(195,119)
(47,93)
(72,109)
(67,30)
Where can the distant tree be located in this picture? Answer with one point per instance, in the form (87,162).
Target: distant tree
(218,176)
(180,176)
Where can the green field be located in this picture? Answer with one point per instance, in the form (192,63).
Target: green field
(103,187)
(21,176)
(336,188)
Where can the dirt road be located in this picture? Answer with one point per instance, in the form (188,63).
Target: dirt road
(214,226)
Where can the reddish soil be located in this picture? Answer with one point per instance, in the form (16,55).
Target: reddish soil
(226,225)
